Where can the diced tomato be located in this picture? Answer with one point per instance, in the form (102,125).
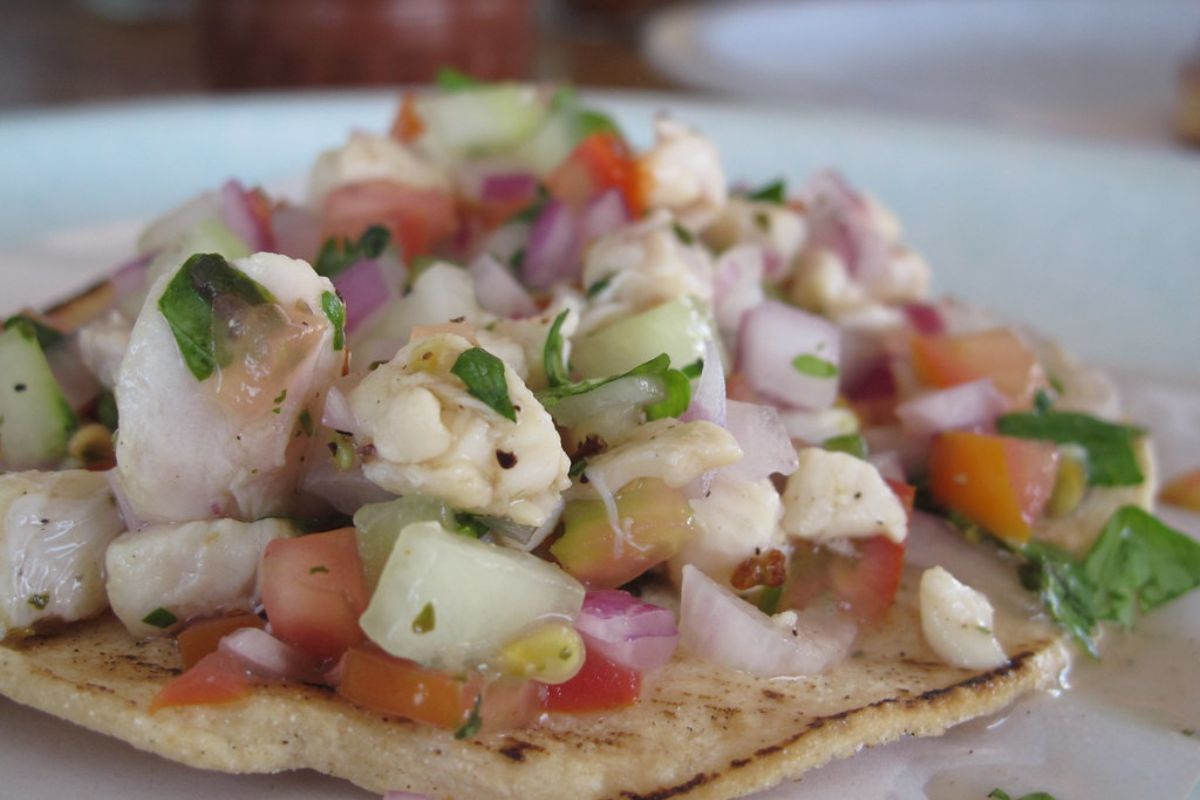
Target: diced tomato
(408,125)
(906,493)
(865,583)
(420,220)
(1183,491)
(659,523)
(600,162)
(314,591)
(510,705)
(943,361)
(999,482)
(872,393)
(373,679)
(600,685)
(201,638)
(216,678)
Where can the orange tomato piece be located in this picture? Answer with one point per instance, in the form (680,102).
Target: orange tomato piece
(419,220)
(868,584)
(1183,491)
(373,679)
(216,678)
(998,482)
(600,162)
(201,638)
(949,360)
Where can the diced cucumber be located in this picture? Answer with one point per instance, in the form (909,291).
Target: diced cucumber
(473,122)
(379,524)
(678,328)
(35,419)
(564,128)
(451,602)
(207,236)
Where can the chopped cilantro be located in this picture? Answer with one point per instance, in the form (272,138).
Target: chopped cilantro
(335,310)
(852,443)
(814,366)
(106,410)
(187,305)
(318,569)
(474,722)
(453,80)
(1000,794)
(517,259)
(472,525)
(535,208)
(674,382)
(590,122)
(768,599)
(552,353)
(763,221)
(693,369)
(1063,589)
(39,600)
(678,388)
(773,192)
(483,374)
(425,621)
(577,468)
(160,618)
(306,423)
(1111,458)
(339,253)
(683,234)
(600,285)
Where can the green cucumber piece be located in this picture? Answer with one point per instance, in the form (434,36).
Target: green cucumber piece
(474,122)
(678,328)
(35,419)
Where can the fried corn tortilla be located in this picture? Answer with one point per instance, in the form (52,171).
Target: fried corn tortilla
(698,732)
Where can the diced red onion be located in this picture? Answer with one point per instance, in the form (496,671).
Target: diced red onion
(604,214)
(912,450)
(708,401)
(840,222)
(78,385)
(889,465)
(924,318)
(297,232)
(508,187)
(968,405)
(506,241)
(345,490)
(772,335)
(623,629)
(267,657)
(764,441)
(721,628)
(874,381)
(337,414)
(553,252)
(237,212)
(130,279)
(366,287)
(498,291)
(737,285)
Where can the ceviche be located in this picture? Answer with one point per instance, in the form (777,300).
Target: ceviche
(505,414)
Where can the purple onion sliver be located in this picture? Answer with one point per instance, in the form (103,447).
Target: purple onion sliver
(708,400)
(237,215)
(364,289)
(605,214)
(553,252)
(498,291)
(130,278)
(925,318)
(508,187)
(764,440)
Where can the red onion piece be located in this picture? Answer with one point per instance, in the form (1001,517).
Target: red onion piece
(297,232)
(840,222)
(604,214)
(764,441)
(366,287)
(498,291)
(737,283)
(267,657)
(79,386)
(553,252)
(337,414)
(236,206)
(708,401)
(130,279)
(772,335)
(345,490)
(968,405)
(925,318)
(721,628)
(508,187)
(889,464)
(874,380)
(623,629)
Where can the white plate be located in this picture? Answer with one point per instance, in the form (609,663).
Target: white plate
(1102,68)
(1095,244)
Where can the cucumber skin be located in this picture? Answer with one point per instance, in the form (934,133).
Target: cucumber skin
(36,422)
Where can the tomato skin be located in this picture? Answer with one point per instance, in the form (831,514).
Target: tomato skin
(1000,482)
(943,361)
(864,583)
(600,685)
(373,679)
(600,162)
(314,591)
(216,678)
(201,638)
(906,493)
(420,220)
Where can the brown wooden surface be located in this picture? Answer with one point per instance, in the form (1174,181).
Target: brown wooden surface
(54,52)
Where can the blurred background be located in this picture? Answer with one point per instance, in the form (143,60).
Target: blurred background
(1123,70)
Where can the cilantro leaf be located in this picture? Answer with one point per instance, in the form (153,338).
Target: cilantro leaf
(1063,588)
(1000,794)
(773,192)
(453,80)
(1110,453)
(335,311)
(187,305)
(472,525)
(678,388)
(684,236)
(338,253)
(852,443)
(552,353)
(694,369)
(160,618)
(483,374)
(474,722)
(815,366)
(600,285)
(426,620)
(1139,563)
(590,122)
